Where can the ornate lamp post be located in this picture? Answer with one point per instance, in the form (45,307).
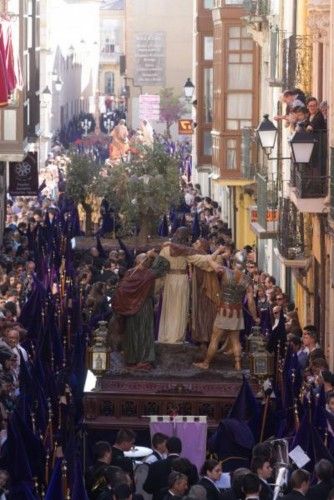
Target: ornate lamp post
(86,124)
(189,89)
(108,123)
(301,143)
(98,354)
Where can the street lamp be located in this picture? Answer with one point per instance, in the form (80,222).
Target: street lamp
(267,134)
(302,145)
(86,124)
(189,89)
(108,123)
(71,51)
(58,84)
(46,95)
(125,92)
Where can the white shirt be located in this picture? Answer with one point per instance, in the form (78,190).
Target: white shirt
(152,458)
(189,199)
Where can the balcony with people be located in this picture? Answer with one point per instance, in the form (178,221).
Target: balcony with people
(306,124)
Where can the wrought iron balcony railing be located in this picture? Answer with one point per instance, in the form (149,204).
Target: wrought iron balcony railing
(257,8)
(290,235)
(267,202)
(297,62)
(311,181)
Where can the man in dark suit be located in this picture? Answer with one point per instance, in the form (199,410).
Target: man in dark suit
(324,472)
(125,440)
(299,483)
(211,473)
(251,487)
(177,486)
(235,492)
(102,459)
(262,468)
(157,478)
(159,441)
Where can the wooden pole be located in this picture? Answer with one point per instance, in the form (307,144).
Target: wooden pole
(264,418)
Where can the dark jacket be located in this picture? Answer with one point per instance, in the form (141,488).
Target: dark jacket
(229,494)
(294,495)
(266,492)
(318,122)
(94,475)
(120,460)
(320,490)
(158,473)
(212,493)
(169,496)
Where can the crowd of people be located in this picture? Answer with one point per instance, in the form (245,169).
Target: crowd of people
(197,288)
(165,474)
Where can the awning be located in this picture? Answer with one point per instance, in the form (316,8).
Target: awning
(234,182)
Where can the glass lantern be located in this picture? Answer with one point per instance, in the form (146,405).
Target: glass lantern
(98,354)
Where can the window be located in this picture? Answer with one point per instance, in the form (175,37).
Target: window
(207,143)
(208,94)
(108,46)
(231,154)
(208,4)
(109,83)
(239,76)
(208,48)
(239,106)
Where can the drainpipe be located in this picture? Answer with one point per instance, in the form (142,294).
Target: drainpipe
(322,326)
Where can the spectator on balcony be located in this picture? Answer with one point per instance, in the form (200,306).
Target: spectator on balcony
(292,98)
(316,119)
(301,117)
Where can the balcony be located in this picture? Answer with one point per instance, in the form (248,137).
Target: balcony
(309,183)
(291,248)
(232,157)
(297,59)
(257,8)
(264,220)
(257,12)
(246,165)
(109,57)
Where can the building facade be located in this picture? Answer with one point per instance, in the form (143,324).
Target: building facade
(261,49)
(158,49)
(20,118)
(203,64)
(112,54)
(295,41)
(227,80)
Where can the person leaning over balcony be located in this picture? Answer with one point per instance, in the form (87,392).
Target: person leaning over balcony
(317,121)
(292,98)
(302,120)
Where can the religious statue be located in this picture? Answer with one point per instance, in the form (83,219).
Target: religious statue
(146,133)
(120,142)
(133,300)
(175,299)
(234,285)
